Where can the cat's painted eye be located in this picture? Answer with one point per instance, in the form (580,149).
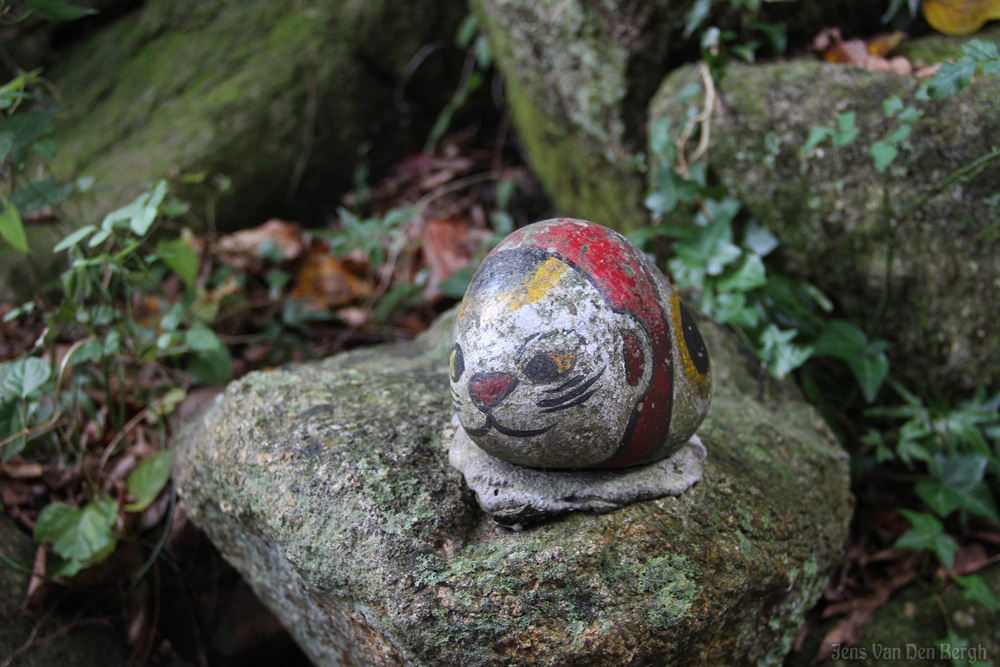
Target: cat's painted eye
(548,366)
(456,362)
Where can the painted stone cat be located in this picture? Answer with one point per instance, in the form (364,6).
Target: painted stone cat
(571,350)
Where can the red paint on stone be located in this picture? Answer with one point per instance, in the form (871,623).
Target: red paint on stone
(488,389)
(634,358)
(619,270)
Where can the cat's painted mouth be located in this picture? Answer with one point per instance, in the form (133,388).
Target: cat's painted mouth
(491,422)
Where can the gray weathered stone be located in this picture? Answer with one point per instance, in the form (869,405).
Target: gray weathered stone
(514,495)
(579,74)
(276,96)
(942,290)
(327,485)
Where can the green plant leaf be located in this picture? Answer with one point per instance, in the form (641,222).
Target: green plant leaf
(22,377)
(696,16)
(749,276)
(977,590)
(927,533)
(759,240)
(54,10)
(780,354)
(11,225)
(817,134)
(952,77)
(90,351)
(181,259)
(846,130)
(211,366)
(148,479)
(454,286)
(21,130)
(883,153)
(467,31)
(981,50)
(733,309)
(40,195)
(202,339)
(892,105)
(867,359)
(79,534)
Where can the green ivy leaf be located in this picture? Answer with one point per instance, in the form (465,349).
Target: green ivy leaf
(759,240)
(977,590)
(11,225)
(92,350)
(749,276)
(867,359)
(54,10)
(952,77)
(148,479)
(892,105)
(79,534)
(883,153)
(928,533)
(780,354)
(181,259)
(696,16)
(981,50)
(846,131)
(733,309)
(817,134)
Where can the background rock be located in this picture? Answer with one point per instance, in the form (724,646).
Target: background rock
(943,298)
(579,75)
(85,645)
(327,486)
(277,96)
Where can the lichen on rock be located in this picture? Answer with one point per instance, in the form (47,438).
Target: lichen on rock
(943,286)
(327,485)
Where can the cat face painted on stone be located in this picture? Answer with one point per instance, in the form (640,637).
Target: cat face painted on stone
(571,350)
(546,387)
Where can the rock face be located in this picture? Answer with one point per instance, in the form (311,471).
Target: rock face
(84,646)
(276,96)
(943,285)
(579,75)
(327,485)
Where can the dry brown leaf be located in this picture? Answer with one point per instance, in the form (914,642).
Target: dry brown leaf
(960,17)
(449,245)
(246,249)
(325,282)
(883,44)
(970,558)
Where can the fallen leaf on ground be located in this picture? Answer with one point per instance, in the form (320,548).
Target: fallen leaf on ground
(869,54)
(960,17)
(449,245)
(276,240)
(325,282)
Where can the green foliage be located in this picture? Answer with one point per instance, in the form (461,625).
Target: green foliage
(371,235)
(979,55)
(148,479)
(80,536)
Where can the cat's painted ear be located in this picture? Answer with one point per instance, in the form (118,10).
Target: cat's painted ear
(637,355)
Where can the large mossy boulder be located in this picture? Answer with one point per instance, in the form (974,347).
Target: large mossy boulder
(579,75)
(936,270)
(58,640)
(328,486)
(279,97)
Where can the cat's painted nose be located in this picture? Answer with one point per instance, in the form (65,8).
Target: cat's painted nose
(488,389)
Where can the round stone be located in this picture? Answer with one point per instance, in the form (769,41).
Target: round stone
(572,350)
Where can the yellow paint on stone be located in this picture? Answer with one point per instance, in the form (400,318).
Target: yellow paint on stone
(699,382)
(535,288)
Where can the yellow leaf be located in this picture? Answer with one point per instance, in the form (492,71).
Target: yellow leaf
(960,17)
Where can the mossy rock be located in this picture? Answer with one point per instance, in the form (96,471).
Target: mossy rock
(579,76)
(327,486)
(85,645)
(942,291)
(913,629)
(277,96)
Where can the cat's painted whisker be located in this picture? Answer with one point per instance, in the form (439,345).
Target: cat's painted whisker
(579,401)
(565,385)
(572,394)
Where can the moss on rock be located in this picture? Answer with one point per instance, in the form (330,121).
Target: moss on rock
(327,485)
(942,289)
(579,76)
